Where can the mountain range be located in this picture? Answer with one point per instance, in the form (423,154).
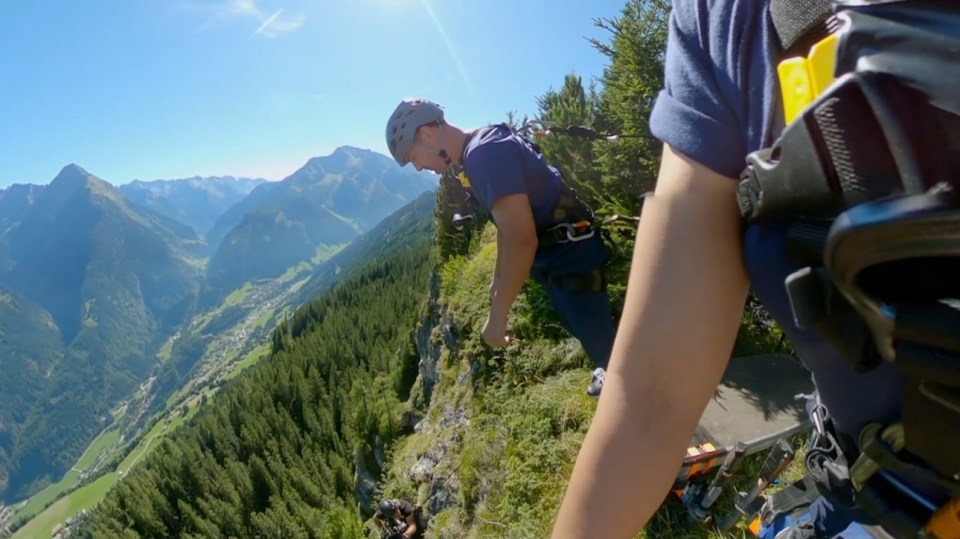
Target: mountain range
(95,278)
(330,200)
(196,202)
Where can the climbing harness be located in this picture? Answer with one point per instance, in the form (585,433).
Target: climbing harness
(572,220)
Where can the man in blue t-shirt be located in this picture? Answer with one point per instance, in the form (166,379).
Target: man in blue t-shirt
(693,265)
(539,219)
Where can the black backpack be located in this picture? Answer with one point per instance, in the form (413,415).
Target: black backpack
(865,176)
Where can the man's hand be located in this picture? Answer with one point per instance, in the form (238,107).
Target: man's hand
(495,331)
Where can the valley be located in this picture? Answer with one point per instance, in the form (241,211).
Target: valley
(133,434)
(149,319)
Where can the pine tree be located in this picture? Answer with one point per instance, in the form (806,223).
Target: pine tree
(631,83)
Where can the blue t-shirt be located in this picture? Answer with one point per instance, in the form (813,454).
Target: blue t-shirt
(497,163)
(720,102)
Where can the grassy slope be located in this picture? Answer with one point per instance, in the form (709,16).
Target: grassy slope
(526,416)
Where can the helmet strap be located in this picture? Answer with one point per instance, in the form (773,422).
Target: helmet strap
(446,157)
(443,151)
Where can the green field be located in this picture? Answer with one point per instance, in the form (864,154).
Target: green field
(82,498)
(238,295)
(106,439)
(254,356)
(164,353)
(42,524)
(71,478)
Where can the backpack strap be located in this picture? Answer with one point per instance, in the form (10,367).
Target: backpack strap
(800,23)
(421,520)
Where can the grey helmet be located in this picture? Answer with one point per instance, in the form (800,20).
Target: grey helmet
(387,508)
(410,114)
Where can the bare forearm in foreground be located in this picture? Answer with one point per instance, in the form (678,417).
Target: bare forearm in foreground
(684,300)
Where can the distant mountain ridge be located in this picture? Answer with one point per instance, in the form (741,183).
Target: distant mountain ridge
(197,201)
(362,185)
(329,200)
(15,200)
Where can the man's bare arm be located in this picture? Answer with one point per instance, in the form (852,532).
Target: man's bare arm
(684,301)
(516,246)
(411,528)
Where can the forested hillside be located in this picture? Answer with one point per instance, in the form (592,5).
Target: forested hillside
(383,386)
(274,453)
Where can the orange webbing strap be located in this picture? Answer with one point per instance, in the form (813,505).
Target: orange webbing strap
(699,459)
(703,461)
(945,522)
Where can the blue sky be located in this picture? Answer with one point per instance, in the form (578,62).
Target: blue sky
(176,88)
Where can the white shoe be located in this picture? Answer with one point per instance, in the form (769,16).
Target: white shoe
(596,382)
